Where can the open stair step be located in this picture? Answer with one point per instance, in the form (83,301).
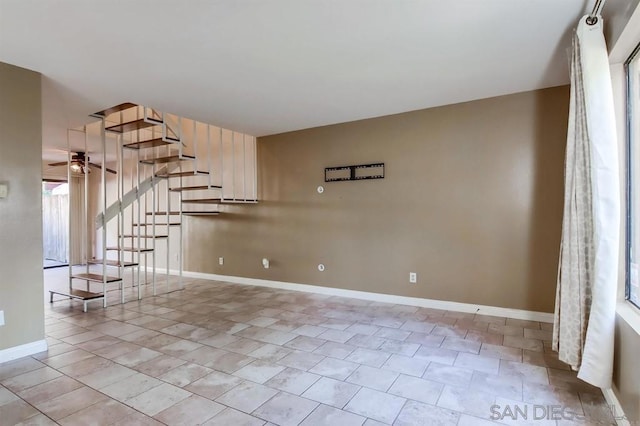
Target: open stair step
(113,109)
(158,224)
(151,143)
(132,249)
(200,213)
(130,126)
(203,201)
(219,201)
(145,236)
(194,188)
(112,263)
(96,278)
(165,175)
(169,159)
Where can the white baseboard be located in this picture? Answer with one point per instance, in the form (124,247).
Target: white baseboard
(20,351)
(616,408)
(378,297)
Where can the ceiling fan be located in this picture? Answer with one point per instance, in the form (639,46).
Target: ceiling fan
(80,164)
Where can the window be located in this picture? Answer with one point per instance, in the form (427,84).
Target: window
(632,68)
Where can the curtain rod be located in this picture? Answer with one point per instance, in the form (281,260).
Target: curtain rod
(592,19)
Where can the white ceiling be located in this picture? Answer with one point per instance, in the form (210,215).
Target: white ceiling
(265,67)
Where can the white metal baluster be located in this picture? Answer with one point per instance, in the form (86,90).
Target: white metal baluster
(103,136)
(244,168)
(233,163)
(221,154)
(255,168)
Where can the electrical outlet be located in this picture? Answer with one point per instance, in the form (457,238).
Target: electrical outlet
(221,261)
(1,318)
(413,277)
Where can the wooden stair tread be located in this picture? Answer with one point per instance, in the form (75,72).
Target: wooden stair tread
(133,249)
(200,213)
(173,213)
(145,236)
(78,294)
(113,109)
(203,201)
(130,126)
(180,174)
(95,278)
(157,224)
(194,188)
(218,201)
(151,143)
(112,263)
(169,159)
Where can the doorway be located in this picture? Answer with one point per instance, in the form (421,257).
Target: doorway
(55,223)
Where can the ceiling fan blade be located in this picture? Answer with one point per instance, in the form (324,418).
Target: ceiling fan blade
(97,166)
(61,163)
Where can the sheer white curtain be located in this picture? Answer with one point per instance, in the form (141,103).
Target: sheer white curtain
(587,279)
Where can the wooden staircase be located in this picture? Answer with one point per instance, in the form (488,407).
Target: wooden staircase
(168,168)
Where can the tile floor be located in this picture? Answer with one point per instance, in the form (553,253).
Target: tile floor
(224,354)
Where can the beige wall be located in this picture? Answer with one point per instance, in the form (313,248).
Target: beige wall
(471,201)
(21,284)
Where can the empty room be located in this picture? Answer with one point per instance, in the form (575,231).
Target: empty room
(351,212)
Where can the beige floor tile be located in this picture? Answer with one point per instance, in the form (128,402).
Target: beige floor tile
(157,399)
(275,337)
(477,362)
(331,392)
(243,346)
(214,385)
(376,405)
(462,400)
(101,413)
(406,365)
(86,366)
(229,417)
(259,371)
(136,357)
(366,342)
(416,413)
(525,372)
(373,378)
(31,378)
(106,376)
(37,420)
(305,343)
(439,355)
(325,415)
(285,409)
(69,403)
(19,366)
(504,386)
(185,374)
(334,368)
(7,396)
(247,396)
(301,360)
(448,374)
(16,411)
(131,386)
(49,390)
(193,410)
(159,365)
(293,381)
(400,347)
(368,357)
(409,387)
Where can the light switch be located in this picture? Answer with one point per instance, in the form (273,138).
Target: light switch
(4,190)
